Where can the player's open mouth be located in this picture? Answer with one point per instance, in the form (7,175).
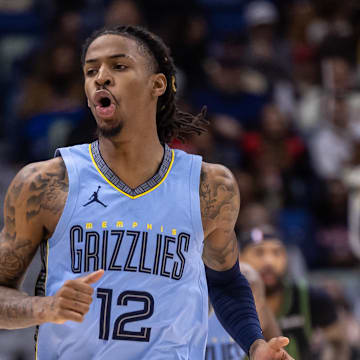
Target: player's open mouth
(104,105)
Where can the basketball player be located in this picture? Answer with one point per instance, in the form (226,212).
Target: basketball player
(128,281)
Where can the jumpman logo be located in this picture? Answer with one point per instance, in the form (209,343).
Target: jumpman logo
(95,198)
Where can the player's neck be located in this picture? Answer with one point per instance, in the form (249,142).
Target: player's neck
(135,159)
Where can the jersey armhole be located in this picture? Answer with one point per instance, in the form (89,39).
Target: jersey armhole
(72,196)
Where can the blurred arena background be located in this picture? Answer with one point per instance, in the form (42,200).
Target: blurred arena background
(281,80)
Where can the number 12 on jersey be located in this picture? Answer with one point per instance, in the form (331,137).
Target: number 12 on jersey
(119,332)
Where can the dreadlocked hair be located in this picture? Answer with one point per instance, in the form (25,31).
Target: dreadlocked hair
(171,122)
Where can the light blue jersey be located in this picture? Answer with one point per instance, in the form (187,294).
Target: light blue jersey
(151,302)
(220,345)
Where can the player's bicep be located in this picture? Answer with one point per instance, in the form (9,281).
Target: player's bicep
(220,201)
(19,239)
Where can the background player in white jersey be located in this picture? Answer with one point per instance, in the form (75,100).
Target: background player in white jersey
(130,87)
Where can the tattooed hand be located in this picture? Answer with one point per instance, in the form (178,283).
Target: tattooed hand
(33,206)
(220,202)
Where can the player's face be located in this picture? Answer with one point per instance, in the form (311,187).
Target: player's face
(117,83)
(270,260)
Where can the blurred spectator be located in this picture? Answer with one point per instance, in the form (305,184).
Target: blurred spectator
(123,12)
(233,87)
(316,106)
(52,101)
(56,83)
(352,182)
(301,15)
(189,48)
(247,187)
(332,236)
(263,50)
(252,215)
(68,28)
(332,145)
(338,292)
(333,19)
(268,54)
(279,159)
(300,309)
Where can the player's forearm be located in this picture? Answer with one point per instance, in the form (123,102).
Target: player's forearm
(234,305)
(19,310)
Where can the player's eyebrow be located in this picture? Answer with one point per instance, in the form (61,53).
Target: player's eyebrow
(109,57)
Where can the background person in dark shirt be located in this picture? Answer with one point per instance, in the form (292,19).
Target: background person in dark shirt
(300,309)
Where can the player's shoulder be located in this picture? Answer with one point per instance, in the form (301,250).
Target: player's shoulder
(217,174)
(39,176)
(47,168)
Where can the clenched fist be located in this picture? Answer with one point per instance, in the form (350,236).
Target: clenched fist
(72,301)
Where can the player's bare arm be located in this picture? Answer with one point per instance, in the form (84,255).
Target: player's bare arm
(33,206)
(220,203)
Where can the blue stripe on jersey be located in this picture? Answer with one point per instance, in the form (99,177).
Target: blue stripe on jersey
(151,302)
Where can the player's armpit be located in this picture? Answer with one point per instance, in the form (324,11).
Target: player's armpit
(220,202)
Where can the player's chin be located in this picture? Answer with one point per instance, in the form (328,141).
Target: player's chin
(109,131)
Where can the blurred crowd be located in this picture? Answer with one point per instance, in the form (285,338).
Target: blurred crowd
(281,81)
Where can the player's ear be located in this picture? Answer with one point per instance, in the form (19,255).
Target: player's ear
(159,84)
(88,102)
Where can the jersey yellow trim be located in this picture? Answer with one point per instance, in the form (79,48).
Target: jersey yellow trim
(123,192)
(46,278)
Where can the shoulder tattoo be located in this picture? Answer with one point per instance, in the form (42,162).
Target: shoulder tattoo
(48,192)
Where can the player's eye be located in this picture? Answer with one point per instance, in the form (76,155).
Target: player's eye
(90,72)
(120,67)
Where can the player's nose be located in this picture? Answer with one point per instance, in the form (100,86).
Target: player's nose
(104,77)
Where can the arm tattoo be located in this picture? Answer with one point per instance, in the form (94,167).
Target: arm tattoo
(219,256)
(14,260)
(48,191)
(219,202)
(205,195)
(218,198)
(36,192)
(11,198)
